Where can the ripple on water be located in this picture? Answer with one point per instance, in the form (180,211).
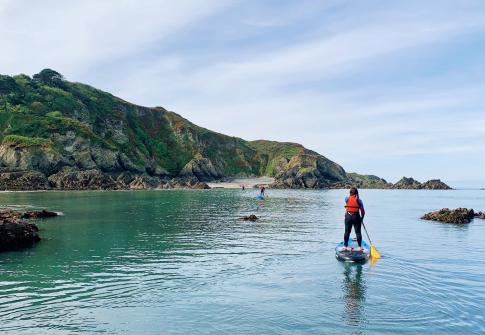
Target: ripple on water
(180,261)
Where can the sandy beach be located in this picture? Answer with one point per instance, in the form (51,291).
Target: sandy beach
(238,182)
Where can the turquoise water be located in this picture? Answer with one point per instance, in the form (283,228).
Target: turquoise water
(180,262)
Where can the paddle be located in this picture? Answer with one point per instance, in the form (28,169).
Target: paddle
(373,251)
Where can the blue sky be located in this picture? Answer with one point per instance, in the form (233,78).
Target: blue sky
(382,87)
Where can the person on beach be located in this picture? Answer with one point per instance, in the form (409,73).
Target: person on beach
(354,214)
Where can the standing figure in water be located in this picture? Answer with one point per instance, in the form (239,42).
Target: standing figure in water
(262,191)
(354,214)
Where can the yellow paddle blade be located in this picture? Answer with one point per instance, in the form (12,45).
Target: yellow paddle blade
(374,253)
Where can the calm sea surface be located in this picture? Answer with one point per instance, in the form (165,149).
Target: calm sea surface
(180,262)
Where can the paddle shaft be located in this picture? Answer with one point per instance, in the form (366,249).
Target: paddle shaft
(363,225)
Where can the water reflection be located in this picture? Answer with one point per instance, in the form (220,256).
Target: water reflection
(354,290)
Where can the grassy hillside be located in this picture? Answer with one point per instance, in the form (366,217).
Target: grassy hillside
(85,127)
(61,134)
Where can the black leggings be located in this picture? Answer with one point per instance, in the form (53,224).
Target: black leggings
(356,221)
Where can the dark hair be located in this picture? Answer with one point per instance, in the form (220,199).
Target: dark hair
(354,191)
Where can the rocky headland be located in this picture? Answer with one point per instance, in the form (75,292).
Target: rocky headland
(62,135)
(458,215)
(16,230)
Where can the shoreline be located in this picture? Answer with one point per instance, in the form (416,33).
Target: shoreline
(238,182)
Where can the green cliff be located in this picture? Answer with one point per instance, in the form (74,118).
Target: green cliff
(60,134)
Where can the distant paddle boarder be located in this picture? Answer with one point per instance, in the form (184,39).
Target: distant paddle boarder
(262,191)
(354,214)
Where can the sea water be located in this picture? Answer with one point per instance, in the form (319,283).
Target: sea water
(182,262)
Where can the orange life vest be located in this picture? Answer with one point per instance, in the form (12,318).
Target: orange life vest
(352,205)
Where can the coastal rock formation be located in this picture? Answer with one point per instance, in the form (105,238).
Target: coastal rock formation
(144,182)
(56,134)
(251,217)
(192,183)
(366,181)
(435,184)
(200,168)
(412,184)
(16,232)
(23,181)
(43,214)
(408,184)
(72,179)
(308,170)
(480,215)
(446,215)
(16,154)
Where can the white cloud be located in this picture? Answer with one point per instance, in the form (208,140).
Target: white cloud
(315,82)
(73,35)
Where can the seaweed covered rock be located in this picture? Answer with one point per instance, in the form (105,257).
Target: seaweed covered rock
(446,215)
(17,235)
(16,232)
(43,214)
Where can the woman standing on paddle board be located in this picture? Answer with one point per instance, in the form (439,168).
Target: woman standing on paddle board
(354,214)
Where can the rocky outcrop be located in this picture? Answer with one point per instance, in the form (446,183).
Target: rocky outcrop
(407,184)
(23,181)
(144,182)
(480,215)
(73,179)
(435,184)
(412,184)
(43,214)
(192,183)
(33,157)
(200,168)
(16,232)
(309,171)
(79,138)
(458,215)
(365,181)
(251,217)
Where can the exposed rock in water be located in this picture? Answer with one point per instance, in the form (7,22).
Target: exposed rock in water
(435,184)
(16,232)
(365,181)
(38,214)
(446,215)
(412,184)
(251,217)
(408,184)
(480,215)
